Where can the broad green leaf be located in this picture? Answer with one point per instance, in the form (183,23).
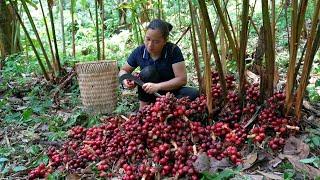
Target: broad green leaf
(3,160)
(288,175)
(226,174)
(42,159)
(19,168)
(308,160)
(54,176)
(6,151)
(14,117)
(316,140)
(5,170)
(34,149)
(27,113)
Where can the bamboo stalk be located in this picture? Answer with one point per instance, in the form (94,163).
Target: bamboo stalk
(47,31)
(16,47)
(237,21)
(102,31)
(226,29)
(159,11)
(250,18)
(179,13)
(73,29)
(15,9)
(299,64)
(297,21)
(62,27)
(37,35)
(217,28)
(97,29)
(223,49)
(312,47)
(195,47)
(57,58)
(213,44)
(270,51)
(243,47)
(232,30)
(207,70)
(287,24)
(253,25)
(184,33)
(197,28)
(273,22)
(140,30)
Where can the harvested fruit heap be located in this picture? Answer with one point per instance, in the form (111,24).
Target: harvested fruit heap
(165,138)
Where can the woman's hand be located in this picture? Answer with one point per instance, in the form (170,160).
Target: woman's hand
(129,84)
(151,87)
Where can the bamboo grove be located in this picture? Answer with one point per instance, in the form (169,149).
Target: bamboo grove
(214,36)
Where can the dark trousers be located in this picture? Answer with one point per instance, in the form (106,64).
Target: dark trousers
(150,74)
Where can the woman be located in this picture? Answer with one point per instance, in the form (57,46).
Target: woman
(161,63)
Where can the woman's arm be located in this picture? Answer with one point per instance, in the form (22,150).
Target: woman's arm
(178,81)
(126,69)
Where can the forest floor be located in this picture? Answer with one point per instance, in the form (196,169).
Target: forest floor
(32,120)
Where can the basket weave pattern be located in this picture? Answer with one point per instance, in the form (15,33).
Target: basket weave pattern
(98,83)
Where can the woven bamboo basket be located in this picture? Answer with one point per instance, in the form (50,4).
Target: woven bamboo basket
(98,83)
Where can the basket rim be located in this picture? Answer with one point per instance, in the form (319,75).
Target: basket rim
(95,62)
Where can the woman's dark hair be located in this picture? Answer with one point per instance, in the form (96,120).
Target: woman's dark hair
(163,26)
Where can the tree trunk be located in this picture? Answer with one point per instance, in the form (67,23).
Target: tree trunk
(6,19)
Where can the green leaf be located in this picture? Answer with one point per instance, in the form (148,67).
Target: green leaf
(288,175)
(19,168)
(14,117)
(55,176)
(308,160)
(34,149)
(42,159)
(317,84)
(7,151)
(3,160)
(316,140)
(5,170)
(226,174)
(27,113)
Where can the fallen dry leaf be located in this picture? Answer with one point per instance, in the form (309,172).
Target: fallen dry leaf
(202,163)
(249,160)
(73,177)
(255,177)
(295,146)
(247,176)
(270,175)
(216,164)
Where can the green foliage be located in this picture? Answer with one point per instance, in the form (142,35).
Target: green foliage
(313,94)
(224,175)
(313,138)
(57,175)
(289,174)
(127,104)
(315,161)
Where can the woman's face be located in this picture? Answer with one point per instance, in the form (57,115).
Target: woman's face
(154,41)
